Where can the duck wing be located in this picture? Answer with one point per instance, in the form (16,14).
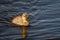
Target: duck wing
(17,20)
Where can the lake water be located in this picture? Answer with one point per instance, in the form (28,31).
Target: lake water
(44,17)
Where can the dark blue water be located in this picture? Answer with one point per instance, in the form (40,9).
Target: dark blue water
(44,17)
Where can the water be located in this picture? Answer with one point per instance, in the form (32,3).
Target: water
(44,17)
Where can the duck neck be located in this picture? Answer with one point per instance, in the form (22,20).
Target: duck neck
(24,19)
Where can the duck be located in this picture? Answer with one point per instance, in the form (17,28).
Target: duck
(21,20)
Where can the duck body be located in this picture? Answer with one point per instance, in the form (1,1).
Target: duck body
(21,20)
